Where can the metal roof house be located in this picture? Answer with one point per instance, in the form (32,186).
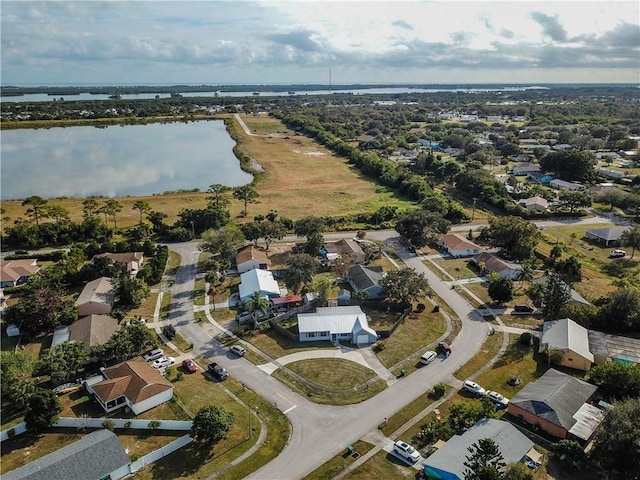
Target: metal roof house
(258,280)
(571,339)
(348,323)
(613,348)
(608,237)
(557,403)
(447,463)
(96,456)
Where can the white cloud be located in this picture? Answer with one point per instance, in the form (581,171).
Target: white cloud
(292,41)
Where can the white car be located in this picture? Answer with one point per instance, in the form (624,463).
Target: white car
(428,357)
(496,397)
(153,354)
(238,350)
(406,451)
(163,362)
(473,387)
(617,254)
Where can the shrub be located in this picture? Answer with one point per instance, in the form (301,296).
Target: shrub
(439,390)
(127,425)
(154,424)
(109,425)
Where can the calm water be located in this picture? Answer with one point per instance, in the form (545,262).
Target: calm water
(117,161)
(43,97)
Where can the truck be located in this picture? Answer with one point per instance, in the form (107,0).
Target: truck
(218,371)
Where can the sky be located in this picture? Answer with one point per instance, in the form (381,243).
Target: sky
(298,42)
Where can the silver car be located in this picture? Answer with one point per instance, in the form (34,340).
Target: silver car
(473,387)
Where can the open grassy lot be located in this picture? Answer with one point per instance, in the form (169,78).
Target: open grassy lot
(332,372)
(418,330)
(299,172)
(403,416)
(276,346)
(457,268)
(337,464)
(382,465)
(489,349)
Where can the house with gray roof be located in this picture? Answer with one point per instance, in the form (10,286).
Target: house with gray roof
(366,279)
(348,323)
(608,237)
(96,298)
(448,461)
(606,347)
(557,404)
(96,456)
(570,340)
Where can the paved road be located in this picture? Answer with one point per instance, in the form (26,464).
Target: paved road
(322,431)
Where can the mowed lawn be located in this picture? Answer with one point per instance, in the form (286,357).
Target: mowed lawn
(334,373)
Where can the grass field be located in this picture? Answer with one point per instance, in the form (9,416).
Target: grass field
(332,372)
(337,464)
(382,465)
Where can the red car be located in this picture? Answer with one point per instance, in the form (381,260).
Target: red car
(189,366)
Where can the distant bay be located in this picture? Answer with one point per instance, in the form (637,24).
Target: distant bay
(118,160)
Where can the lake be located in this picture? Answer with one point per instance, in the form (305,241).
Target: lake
(118,160)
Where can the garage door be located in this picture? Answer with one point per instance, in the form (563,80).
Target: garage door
(360,339)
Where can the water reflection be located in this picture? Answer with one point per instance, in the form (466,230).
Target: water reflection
(118,160)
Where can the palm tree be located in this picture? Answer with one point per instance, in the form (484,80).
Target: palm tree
(526,274)
(631,238)
(257,302)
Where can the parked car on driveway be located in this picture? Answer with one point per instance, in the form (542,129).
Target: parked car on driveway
(163,362)
(153,354)
(523,309)
(189,366)
(497,398)
(617,254)
(238,350)
(428,357)
(407,451)
(473,387)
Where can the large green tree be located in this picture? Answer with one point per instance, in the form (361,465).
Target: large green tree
(16,385)
(631,238)
(515,236)
(404,286)
(574,199)
(300,271)
(571,165)
(616,380)
(43,408)
(557,293)
(246,194)
(128,290)
(128,342)
(421,227)
(223,242)
(218,198)
(617,442)
(63,361)
(37,206)
(500,289)
(211,423)
(141,206)
(621,311)
(485,461)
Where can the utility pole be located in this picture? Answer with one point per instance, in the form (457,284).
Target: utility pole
(473,213)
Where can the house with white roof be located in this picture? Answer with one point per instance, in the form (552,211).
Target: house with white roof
(96,298)
(258,280)
(571,340)
(347,323)
(534,204)
(559,184)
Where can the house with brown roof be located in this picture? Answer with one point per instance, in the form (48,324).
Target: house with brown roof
(491,263)
(132,260)
(250,258)
(134,384)
(457,246)
(17,272)
(93,330)
(96,298)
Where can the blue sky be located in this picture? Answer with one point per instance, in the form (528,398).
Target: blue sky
(283,42)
